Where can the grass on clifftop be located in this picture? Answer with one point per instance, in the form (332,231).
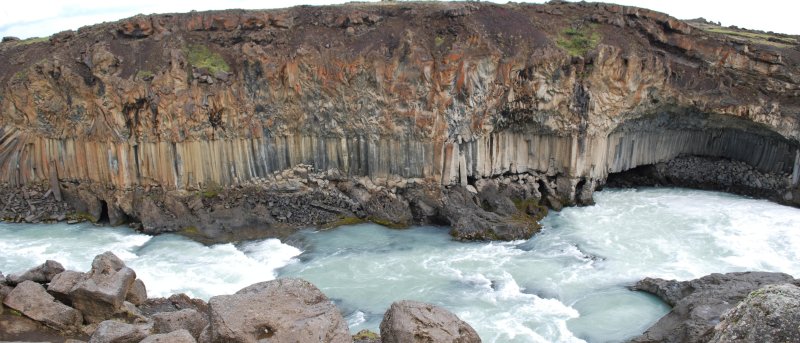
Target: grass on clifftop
(578,41)
(34,40)
(754,37)
(202,58)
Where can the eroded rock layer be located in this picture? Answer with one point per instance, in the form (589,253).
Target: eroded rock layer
(442,93)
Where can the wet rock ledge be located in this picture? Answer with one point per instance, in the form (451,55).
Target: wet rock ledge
(109,304)
(505,208)
(733,307)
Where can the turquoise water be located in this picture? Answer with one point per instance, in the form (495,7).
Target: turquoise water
(567,284)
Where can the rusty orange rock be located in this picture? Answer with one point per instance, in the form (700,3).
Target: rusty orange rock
(445,92)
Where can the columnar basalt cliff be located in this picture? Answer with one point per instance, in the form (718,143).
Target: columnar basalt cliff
(150,117)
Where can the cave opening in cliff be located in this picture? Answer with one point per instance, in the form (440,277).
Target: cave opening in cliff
(103,219)
(542,189)
(644,175)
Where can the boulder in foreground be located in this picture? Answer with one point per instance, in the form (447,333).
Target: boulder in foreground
(32,300)
(103,292)
(283,310)
(697,305)
(111,331)
(416,322)
(770,314)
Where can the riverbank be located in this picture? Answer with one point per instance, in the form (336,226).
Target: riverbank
(508,207)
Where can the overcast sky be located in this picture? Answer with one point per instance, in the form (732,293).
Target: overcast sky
(39,18)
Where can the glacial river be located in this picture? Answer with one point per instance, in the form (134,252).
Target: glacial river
(566,284)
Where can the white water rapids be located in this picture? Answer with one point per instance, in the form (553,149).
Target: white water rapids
(566,284)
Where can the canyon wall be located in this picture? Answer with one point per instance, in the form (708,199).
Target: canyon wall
(448,93)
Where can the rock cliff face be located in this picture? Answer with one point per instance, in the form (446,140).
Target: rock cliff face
(560,95)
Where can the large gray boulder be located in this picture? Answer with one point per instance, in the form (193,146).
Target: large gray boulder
(417,322)
(137,294)
(32,300)
(62,284)
(186,319)
(179,336)
(111,331)
(697,305)
(42,273)
(283,310)
(102,293)
(770,314)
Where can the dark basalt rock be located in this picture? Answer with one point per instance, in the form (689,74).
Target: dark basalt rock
(698,305)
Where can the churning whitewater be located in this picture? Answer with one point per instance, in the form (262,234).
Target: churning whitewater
(566,284)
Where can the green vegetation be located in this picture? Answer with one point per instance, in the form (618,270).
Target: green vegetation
(343,220)
(386,222)
(578,41)
(209,193)
(439,40)
(529,212)
(21,75)
(366,335)
(201,57)
(34,40)
(190,231)
(14,312)
(211,190)
(144,75)
(82,216)
(753,37)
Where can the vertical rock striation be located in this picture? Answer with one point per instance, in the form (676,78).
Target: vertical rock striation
(441,93)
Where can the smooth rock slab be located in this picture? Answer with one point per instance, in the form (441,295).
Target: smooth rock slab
(283,310)
(186,319)
(770,314)
(32,300)
(180,336)
(111,331)
(417,322)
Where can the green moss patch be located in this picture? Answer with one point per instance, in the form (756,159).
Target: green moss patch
(578,41)
(144,75)
(202,57)
(365,334)
(343,220)
(82,216)
(386,222)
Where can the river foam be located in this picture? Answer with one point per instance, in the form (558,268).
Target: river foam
(167,264)
(566,284)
